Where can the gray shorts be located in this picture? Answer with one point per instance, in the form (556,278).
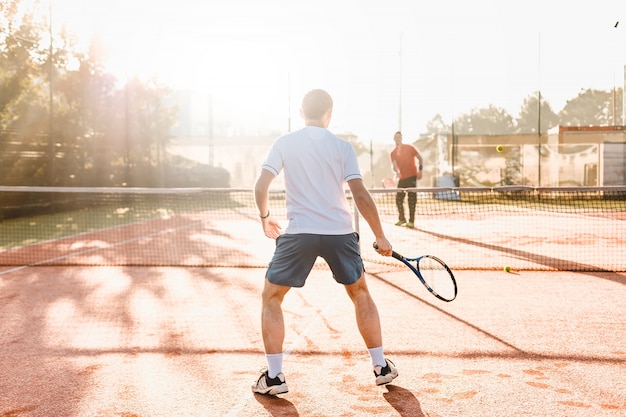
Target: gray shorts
(296,254)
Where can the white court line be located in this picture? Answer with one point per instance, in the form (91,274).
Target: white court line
(236,409)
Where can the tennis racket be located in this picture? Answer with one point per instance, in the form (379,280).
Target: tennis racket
(433,273)
(389,183)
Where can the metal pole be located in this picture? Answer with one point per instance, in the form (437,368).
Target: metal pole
(210,131)
(539,112)
(623,121)
(453,150)
(614,98)
(51,144)
(400,92)
(289,101)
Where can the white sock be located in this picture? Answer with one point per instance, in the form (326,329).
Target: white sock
(274,364)
(378,357)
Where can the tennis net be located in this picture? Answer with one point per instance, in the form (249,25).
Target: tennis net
(527,228)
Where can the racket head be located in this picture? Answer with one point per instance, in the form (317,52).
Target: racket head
(434,274)
(389,183)
(437,277)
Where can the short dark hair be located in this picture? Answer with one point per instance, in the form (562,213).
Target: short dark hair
(316,103)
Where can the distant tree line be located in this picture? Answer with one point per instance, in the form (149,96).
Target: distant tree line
(589,108)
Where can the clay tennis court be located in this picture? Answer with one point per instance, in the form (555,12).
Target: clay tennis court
(128,341)
(83,339)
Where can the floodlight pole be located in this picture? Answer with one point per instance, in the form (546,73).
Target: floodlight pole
(51,144)
(539,111)
(210,131)
(289,101)
(400,92)
(614,112)
(624,87)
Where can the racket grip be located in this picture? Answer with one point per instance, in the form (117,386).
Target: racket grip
(397,255)
(393,253)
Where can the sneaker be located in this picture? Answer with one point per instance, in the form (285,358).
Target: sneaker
(270,386)
(400,222)
(385,375)
(410,225)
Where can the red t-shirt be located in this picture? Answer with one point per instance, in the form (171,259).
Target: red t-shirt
(405,157)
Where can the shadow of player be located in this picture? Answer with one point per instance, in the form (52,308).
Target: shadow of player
(276,406)
(403,400)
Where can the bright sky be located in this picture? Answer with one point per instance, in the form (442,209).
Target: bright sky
(375,57)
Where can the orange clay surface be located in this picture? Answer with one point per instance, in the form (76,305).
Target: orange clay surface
(169,341)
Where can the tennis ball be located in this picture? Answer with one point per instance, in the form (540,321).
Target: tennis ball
(499,148)
(507,268)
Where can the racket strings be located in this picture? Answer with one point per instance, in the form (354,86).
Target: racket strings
(437,277)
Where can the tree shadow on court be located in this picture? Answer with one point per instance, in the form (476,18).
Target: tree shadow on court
(174,241)
(515,351)
(565,265)
(276,406)
(403,400)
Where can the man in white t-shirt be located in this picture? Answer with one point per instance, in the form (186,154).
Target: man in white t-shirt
(316,165)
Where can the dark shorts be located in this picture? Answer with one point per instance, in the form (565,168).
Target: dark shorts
(296,254)
(409,182)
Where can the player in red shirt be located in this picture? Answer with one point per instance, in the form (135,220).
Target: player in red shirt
(403,158)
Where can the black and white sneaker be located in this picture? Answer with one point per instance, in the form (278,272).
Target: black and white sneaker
(386,374)
(270,386)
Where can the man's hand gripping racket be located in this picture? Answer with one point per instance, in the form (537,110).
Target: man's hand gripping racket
(433,273)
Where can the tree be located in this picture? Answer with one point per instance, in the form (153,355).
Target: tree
(531,116)
(68,116)
(21,59)
(485,121)
(359,147)
(437,125)
(23,95)
(147,124)
(592,107)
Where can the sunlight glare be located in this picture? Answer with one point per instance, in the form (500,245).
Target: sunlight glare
(377,59)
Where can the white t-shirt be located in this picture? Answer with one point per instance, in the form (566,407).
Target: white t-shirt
(317,164)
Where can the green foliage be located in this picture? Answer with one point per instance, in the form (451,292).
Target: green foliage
(532,115)
(359,147)
(437,125)
(593,107)
(21,58)
(590,107)
(64,120)
(485,121)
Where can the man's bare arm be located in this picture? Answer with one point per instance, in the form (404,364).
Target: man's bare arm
(419,171)
(271,228)
(366,206)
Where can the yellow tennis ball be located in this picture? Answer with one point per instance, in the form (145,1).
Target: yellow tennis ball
(499,148)
(507,268)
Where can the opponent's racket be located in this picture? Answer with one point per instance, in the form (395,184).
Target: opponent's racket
(433,273)
(389,183)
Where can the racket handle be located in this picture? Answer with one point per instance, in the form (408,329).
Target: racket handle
(397,256)
(393,253)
